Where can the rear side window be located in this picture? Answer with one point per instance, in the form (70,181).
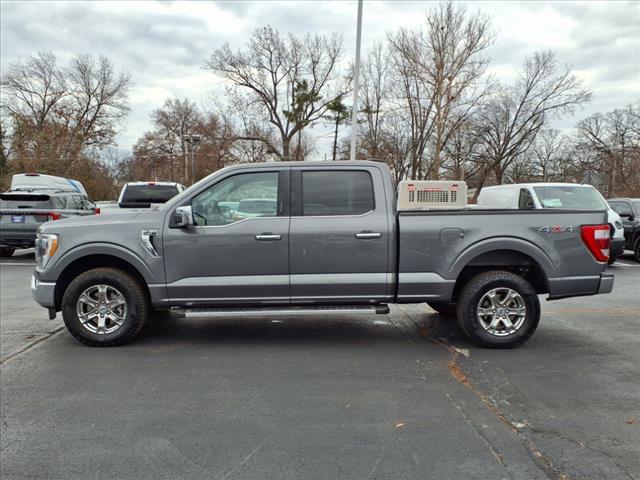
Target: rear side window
(59,202)
(624,207)
(575,197)
(336,193)
(149,193)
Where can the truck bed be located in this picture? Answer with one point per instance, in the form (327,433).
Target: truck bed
(436,247)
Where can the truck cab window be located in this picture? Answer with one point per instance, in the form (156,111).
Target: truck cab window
(236,198)
(343,192)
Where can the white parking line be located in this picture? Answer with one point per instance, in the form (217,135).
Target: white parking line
(19,264)
(621,264)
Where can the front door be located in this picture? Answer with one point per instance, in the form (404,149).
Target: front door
(238,250)
(339,236)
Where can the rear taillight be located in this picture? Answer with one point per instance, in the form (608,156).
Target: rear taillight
(54,216)
(597,240)
(97,210)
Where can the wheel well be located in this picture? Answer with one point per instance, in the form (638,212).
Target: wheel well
(83,264)
(507,260)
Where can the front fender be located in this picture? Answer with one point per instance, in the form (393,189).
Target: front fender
(503,243)
(98,248)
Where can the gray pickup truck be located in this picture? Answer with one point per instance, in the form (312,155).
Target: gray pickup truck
(326,239)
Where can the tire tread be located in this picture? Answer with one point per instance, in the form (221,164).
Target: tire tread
(135,289)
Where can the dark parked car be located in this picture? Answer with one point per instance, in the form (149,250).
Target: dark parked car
(629,211)
(23,211)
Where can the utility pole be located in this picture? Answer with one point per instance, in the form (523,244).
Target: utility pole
(356,85)
(191,140)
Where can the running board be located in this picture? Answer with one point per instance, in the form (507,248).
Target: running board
(281,311)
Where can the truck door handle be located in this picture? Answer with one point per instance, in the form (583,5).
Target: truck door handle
(268,237)
(367,235)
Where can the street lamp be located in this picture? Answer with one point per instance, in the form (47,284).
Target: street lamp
(356,85)
(193,141)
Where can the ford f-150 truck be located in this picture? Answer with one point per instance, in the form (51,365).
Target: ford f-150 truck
(333,242)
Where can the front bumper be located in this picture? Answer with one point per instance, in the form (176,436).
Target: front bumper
(43,292)
(616,247)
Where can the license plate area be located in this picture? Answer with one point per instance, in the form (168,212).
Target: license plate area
(17,218)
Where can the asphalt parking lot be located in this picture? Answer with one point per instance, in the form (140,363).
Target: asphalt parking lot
(401,396)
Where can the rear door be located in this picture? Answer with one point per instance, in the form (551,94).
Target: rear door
(339,236)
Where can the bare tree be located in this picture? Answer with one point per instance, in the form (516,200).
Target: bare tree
(162,153)
(288,78)
(448,56)
(439,78)
(513,117)
(549,159)
(374,76)
(414,97)
(58,112)
(610,143)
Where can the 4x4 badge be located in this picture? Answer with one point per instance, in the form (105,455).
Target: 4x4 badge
(557,229)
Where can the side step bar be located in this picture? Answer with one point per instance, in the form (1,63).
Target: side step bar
(382,309)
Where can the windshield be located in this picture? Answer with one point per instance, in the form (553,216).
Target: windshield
(148,193)
(575,197)
(636,206)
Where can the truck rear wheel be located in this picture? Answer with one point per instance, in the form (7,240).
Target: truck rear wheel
(498,309)
(104,307)
(6,251)
(444,308)
(636,249)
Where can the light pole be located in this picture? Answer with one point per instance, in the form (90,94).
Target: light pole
(356,85)
(191,140)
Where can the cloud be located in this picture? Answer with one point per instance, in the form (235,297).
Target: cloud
(164,44)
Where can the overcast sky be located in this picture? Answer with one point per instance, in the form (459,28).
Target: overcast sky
(164,44)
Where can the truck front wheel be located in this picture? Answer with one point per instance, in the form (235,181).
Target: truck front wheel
(498,309)
(104,307)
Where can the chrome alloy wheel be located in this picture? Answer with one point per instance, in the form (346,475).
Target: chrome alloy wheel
(501,311)
(101,309)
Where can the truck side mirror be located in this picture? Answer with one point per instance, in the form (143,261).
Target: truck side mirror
(627,215)
(183,217)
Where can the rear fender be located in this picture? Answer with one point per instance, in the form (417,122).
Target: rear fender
(503,243)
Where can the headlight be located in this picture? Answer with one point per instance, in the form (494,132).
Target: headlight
(46,247)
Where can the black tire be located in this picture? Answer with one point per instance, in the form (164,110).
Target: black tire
(636,249)
(474,292)
(611,260)
(137,306)
(443,308)
(6,251)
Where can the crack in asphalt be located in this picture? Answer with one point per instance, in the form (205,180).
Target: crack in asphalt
(32,345)
(483,438)
(543,462)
